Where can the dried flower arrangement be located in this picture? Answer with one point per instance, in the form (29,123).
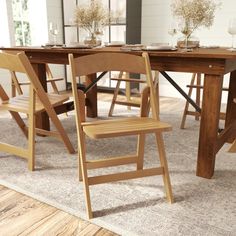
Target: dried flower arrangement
(193,14)
(92,17)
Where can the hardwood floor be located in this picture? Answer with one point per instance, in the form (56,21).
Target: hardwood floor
(25,216)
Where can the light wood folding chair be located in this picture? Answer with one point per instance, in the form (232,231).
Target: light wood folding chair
(37,101)
(197,84)
(129,101)
(137,126)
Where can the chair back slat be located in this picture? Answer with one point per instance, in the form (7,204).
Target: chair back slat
(11,62)
(109,62)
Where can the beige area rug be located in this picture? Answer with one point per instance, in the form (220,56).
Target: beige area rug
(135,207)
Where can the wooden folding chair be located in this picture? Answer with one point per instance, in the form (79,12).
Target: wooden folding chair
(129,101)
(197,84)
(37,101)
(137,126)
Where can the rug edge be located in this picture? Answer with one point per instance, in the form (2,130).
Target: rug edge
(69,210)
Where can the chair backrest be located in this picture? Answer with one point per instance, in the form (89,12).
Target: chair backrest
(18,84)
(99,62)
(109,62)
(20,63)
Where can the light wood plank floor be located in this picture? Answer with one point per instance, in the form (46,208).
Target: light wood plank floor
(25,216)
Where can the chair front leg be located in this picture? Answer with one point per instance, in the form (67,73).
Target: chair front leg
(82,157)
(31,130)
(163,161)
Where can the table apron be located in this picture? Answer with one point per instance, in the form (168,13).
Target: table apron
(192,65)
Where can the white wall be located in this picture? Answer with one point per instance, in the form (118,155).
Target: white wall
(6,39)
(5,26)
(41,12)
(157,16)
(38,22)
(54,14)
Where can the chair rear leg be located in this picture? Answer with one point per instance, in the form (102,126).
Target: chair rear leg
(140,151)
(80,169)
(128,91)
(233,147)
(116,91)
(54,87)
(61,130)
(156,86)
(20,122)
(163,161)
(198,93)
(187,103)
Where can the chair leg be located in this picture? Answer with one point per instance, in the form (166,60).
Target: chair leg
(140,151)
(187,103)
(84,171)
(54,118)
(31,130)
(13,90)
(31,142)
(116,91)
(156,86)
(163,161)
(127,91)
(56,91)
(20,122)
(233,147)
(80,169)
(54,87)
(198,93)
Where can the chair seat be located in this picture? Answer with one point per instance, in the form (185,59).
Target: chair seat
(21,103)
(124,127)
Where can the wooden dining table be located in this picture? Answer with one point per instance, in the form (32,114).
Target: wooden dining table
(213,63)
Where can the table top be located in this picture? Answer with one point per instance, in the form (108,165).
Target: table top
(217,53)
(217,61)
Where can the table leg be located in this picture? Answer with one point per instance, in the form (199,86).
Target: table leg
(42,120)
(231,106)
(209,125)
(91,97)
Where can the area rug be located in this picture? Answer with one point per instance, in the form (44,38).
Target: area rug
(134,207)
